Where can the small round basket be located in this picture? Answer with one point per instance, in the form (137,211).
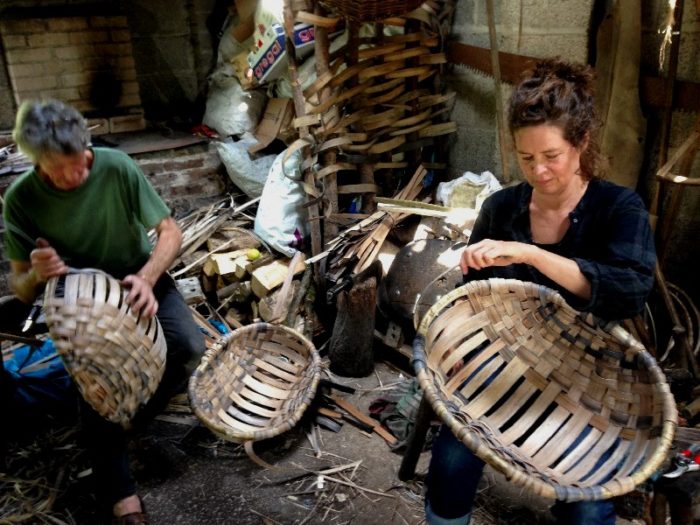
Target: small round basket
(115,358)
(560,405)
(255,383)
(370,10)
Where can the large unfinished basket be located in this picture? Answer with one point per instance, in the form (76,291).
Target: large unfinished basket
(115,358)
(255,383)
(371,10)
(558,404)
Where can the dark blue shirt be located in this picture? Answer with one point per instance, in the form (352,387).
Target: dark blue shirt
(609,237)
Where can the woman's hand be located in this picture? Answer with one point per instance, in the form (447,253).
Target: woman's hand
(140,298)
(46,262)
(488,252)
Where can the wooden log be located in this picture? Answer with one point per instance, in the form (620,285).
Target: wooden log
(268,277)
(191,290)
(266,306)
(351,349)
(237,292)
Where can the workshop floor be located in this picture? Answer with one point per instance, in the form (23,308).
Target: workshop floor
(187,476)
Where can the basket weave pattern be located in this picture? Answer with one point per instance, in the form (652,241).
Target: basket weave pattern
(256,383)
(561,406)
(370,10)
(116,359)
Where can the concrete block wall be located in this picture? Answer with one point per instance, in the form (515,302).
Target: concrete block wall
(545,28)
(527,27)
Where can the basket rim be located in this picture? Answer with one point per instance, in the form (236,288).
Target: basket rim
(242,436)
(613,487)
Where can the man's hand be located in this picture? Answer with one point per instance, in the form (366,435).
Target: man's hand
(46,262)
(494,253)
(140,297)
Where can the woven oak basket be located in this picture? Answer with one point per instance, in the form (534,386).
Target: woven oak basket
(255,383)
(115,358)
(370,10)
(542,393)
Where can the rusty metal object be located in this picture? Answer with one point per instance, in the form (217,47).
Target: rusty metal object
(417,266)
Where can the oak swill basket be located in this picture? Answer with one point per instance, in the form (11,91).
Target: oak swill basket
(560,405)
(115,358)
(370,10)
(255,383)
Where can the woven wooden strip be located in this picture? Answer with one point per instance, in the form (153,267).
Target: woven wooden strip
(386,49)
(407,53)
(540,392)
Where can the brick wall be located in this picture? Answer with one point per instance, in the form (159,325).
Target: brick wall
(186,178)
(86,61)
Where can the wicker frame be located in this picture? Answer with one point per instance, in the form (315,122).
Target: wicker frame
(255,383)
(116,359)
(544,392)
(371,10)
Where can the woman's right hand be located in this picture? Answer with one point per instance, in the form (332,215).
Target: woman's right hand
(46,262)
(489,252)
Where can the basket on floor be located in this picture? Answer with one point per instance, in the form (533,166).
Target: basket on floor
(370,10)
(255,383)
(115,358)
(542,393)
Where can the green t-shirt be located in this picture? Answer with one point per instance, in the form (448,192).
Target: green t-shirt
(101,224)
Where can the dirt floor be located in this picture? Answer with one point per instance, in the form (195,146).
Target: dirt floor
(188,476)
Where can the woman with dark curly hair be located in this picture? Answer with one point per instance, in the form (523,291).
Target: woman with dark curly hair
(563,227)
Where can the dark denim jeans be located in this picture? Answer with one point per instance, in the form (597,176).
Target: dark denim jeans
(453,479)
(107,442)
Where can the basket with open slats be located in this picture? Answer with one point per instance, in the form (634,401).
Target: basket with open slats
(255,383)
(115,358)
(543,393)
(371,10)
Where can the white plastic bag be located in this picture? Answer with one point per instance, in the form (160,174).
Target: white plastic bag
(468,191)
(246,172)
(230,109)
(282,221)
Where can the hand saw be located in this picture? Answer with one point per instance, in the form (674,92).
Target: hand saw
(686,95)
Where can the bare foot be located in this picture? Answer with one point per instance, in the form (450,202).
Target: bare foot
(128,505)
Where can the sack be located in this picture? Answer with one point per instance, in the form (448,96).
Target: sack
(36,378)
(281,220)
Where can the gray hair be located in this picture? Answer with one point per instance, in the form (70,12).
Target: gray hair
(50,127)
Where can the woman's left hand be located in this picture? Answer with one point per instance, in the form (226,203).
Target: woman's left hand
(488,252)
(140,298)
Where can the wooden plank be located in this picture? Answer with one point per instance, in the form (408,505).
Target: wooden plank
(358,414)
(268,277)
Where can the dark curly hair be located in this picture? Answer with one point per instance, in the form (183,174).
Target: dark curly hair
(560,93)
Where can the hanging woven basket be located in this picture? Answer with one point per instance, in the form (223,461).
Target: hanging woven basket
(541,392)
(370,10)
(115,358)
(255,383)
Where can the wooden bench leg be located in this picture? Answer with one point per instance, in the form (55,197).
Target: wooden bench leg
(416,440)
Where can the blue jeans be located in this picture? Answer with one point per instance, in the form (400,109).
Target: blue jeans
(106,441)
(453,479)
